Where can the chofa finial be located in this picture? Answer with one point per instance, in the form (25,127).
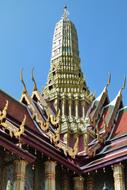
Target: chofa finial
(66,13)
(124,85)
(109,80)
(33,79)
(22,80)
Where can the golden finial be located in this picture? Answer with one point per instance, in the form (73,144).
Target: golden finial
(22,80)
(33,79)
(109,80)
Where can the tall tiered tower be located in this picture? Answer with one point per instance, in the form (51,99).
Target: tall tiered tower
(66,87)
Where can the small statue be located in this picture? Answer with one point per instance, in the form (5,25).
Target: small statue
(87,122)
(105,187)
(9,185)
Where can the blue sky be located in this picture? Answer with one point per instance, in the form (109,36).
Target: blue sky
(26,31)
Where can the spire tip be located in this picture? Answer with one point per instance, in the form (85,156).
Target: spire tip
(66,13)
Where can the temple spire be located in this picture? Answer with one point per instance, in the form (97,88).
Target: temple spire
(66,88)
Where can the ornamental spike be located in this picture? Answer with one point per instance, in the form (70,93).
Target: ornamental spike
(33,79)
(22,80)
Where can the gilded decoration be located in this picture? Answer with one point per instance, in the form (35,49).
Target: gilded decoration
(73,151)
(55,137)
(13,130)
(3,113)
(44,125)
(92,131)
(55,119)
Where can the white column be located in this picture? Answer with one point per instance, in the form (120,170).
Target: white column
(78,183)
(19,176)
(90,183)
(56,104)
(36,183)
(66,185)
(118,174)
(63,106)
(76,108)
(83,108)
(50,175)
(70,107)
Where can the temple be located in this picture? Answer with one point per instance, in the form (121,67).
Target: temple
(63,138)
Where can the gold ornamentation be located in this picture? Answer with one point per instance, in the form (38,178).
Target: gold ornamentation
(99,138)
(73,151)
(44,125)
(56,136)
(55,119)
(88,132)
(19,131)
(7,127)
(3,113)
(105,124)
(63,147)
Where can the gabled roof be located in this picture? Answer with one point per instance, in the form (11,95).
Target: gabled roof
(33,135)
(112,126)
